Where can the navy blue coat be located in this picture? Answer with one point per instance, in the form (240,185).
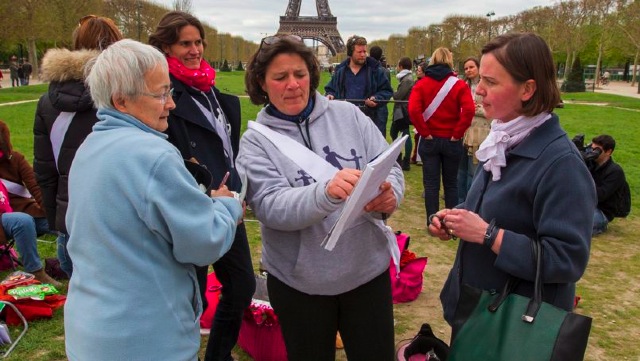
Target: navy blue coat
(377,82)
(195,137)
(545,193)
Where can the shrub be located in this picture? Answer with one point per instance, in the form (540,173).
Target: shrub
(574,82)
(225,66)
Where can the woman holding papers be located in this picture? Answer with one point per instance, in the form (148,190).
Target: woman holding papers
(316,292)
(441,109)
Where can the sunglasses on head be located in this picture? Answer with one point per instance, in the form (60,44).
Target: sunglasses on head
(270,40)
(85,19)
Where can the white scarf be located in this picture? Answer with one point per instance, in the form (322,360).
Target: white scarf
(505,136)
(402,73)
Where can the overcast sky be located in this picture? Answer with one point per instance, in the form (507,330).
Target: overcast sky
(373,19)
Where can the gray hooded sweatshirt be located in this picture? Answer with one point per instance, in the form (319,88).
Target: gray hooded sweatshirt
(295,211)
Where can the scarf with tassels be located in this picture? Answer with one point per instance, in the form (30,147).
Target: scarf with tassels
(504,136)
(202,78)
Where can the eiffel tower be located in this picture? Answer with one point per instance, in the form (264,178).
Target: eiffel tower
(323,28)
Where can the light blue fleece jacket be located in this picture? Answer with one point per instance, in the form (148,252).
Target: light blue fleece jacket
(296,213)
(137,223)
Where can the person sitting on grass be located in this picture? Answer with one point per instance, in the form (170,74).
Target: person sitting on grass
(23,219)
(614,197)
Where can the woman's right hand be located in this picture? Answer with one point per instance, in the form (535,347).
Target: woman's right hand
(221,192)
(342,184)
(436,226)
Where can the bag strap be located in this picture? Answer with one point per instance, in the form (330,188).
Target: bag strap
(17,189)
(58,132)
(320,170)
(310,162)
(535,302)
(442,93)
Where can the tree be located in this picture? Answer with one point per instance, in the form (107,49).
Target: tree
(574,82)
(603,19)
(182,5)
(629,25)
(225,66)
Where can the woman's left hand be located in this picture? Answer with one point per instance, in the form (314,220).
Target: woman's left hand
(466,225)
(385,202)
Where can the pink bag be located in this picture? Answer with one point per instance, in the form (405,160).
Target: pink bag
(5,206)
(7,260)
(213,296)
(407,285)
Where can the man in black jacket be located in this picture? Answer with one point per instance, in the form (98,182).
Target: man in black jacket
(611,185)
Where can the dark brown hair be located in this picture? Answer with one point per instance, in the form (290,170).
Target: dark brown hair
(405,63)
(606,141)
(257,67)
(95,33)
(168,29)
(526,56)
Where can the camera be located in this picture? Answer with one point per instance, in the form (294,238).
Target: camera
(589,155)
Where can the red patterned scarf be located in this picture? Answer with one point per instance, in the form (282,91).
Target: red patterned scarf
(203,78)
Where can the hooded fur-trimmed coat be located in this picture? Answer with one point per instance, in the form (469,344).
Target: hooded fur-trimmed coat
(15,168)
(64,69)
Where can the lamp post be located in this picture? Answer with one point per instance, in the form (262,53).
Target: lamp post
(489,15)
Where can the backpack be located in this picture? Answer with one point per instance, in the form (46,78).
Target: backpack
(475,135)
(623,201)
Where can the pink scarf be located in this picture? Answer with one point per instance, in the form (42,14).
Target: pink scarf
(203,78)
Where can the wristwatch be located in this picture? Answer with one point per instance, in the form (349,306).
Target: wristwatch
(490,234)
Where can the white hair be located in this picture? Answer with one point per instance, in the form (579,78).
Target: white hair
(119,71)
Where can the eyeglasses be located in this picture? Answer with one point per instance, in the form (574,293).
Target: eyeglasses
(162,97)
(270,40)
(85,18)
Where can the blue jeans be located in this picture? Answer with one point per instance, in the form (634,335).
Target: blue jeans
(600,222)
(63,255)
(380,115)
(440,155)
(25,229)
(465,176)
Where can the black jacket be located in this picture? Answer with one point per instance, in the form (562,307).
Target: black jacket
(608,177)
(64,70)
(195,137)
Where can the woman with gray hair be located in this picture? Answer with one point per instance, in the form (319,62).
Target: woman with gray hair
(133,207)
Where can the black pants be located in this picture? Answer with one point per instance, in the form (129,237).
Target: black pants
(364,317)
(235,272)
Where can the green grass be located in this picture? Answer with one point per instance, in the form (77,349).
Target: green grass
(609,99)
(31,92)
(609,288)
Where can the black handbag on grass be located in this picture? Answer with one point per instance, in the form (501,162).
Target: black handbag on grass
(506,326)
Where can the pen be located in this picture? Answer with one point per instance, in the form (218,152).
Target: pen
(224,180)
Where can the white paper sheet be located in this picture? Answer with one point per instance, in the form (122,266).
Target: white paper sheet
(367,188)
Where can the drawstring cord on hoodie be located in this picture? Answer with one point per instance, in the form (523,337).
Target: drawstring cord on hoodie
(306,125)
